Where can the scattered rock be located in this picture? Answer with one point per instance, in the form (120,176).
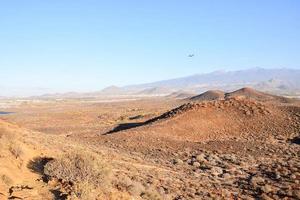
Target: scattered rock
(178,161)
(216,171)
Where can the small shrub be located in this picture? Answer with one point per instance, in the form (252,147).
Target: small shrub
(79,168)
(136,189)
(85,190)
(15,150)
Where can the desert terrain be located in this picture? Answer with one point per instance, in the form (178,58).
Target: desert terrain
(243,144)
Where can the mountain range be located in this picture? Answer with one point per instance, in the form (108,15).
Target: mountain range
(281,81)
(232,77)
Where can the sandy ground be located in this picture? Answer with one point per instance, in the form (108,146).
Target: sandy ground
(221,150)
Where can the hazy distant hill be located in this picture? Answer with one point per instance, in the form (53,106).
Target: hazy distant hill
(111,90)
(277,81)
(255,75)
(155,91)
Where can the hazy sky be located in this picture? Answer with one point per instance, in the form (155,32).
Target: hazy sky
(62,45)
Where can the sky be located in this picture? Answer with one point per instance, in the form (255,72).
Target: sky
(72,45)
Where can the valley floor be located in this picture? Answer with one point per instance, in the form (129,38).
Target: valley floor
(246,156)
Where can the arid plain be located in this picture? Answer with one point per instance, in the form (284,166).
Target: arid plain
(238,145)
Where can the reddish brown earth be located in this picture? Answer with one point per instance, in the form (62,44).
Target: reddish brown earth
(243,93)
(250,93)
(222,120)
(209,96)
(245,146)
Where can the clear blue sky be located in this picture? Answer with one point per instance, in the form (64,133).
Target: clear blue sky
(86,45)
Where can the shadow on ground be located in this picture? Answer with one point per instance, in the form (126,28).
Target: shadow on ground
(37,165)
(124,126)
(296,140)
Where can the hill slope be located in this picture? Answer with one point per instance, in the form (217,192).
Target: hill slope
(218,119)
(209,96)
(244,93)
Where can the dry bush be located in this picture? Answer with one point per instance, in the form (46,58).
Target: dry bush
(136,188)
(7,136)
(9,143)
(77,167)
(15,150)
(85,190)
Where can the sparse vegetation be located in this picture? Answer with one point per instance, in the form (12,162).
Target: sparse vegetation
(151,195)
(135,188)
(78,167)
(9,139)
(239,155)
(15,150)
(85,190)
(83,170)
